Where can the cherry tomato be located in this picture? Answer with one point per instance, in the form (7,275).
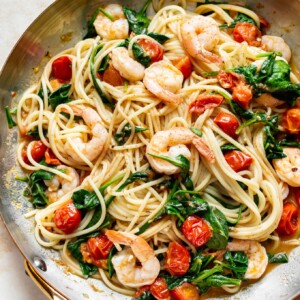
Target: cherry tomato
(184,65)
(291,120)
(141,290)
(238,160)
(228,80)
(186,291)
(153,49)
(88,258)
(203,102)
(112,76)
(67,218)
(247,32)
(62,68)
(297,196)
(159,289)
(196,230)
(242,93)
(263,22)
(50,158)
(228,123)
(37,152)
(288,223)
(99,246)
(177,259)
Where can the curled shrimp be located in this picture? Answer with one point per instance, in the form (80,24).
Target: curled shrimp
(199,37)
(129,68)
(124,262)
(257,256)
(288,168)
(164,81)
(112,29)
(171,143)
(276,44)
(59,186)
(94,146)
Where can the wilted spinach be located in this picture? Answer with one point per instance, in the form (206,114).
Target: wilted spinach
(10,121)
(240,18)
(278,258)
(60,95)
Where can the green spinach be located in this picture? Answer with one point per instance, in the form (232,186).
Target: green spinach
(10,121)
(278,258)
(60,95)
(122,136)
(240,18)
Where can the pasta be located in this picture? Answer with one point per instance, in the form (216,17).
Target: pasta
(163,136)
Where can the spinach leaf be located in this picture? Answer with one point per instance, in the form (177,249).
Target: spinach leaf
(91,31)
(228,147)
(199,262)
(161,38)
(217,280)
(102,95)
(108,221)
(145,296)
(179,161)
(196,131)
(110,265)
(240,18)
(175,281)
(218,222)
(140,55)
(237,262)
(104,64)
(206,274)
(59,96)
(138,21)
(35,133)
(10,121)
(121,137)
(278,258)
(84,199)
(41,93)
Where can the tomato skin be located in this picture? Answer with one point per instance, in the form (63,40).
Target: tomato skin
(228,123)
(112,76)
(50,158)
(141,290)
(297,196)
(186,291)
(238,160)
(288,223)
(99,246)
(291,120)
(196,230)
(247,32)
(228,80)
(242,93)
(184,65)
(62,68)
(153,49)
(159,289)
(38,150)
(67,218)
(204,102)
(177,259)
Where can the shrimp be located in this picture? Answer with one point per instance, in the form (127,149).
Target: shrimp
(112,29)
(127,66)
(257,256)
(94,146)
(59,186)
(199,37)
(268,100)
(124,262)
(288,168)
(164,81)
(171,143)
(276,44)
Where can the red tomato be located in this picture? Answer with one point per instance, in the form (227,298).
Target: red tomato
(67,218)
(50,158)
(177,259)
(88,258)
(297,196)
(228,80)
(184,65)
(288,223)
(159,289)
(112,76)
(263,22)
(142,290)
(204,102)
(186,291)
(228,123)
(196,230)
(291,120)
(238,160)
(153,49)
(242,93)
(247,32)
(62,68)
(99,246)
(37,152)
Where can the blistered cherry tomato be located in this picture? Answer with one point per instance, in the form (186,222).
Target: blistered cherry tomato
(141,290)
(184,65)
(62,68)
(196,230)
(288,223)
(228,123)
(186,291)
(153,49)
(246,32)
(242,93)
(50,158)
(291,120)
(228,80)
(177,259)
(67,218)
(112,76)
(37,152)
(159,289)
(238,160)
(204,102)
(99,246)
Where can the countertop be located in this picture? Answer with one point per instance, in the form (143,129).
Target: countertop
(15,17)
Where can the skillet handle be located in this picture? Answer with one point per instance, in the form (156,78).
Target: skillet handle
(49,291)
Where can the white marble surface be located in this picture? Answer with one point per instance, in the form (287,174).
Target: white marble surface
(15,17)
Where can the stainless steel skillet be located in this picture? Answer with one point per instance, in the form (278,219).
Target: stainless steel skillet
(50,34)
